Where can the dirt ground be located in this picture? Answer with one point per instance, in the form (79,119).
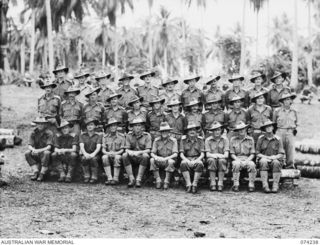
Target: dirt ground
(29,209)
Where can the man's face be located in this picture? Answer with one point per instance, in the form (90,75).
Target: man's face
(269,129)
(242,132)
(126,82)
(217,132)
(72,96)
(258,81)
(236,83)
(170,86)
(156,106)
(61,74)
(213,84)
(287,102)
(114,101)
(175,108)
(82,80)
(215,105)
(194,108)
(136,105)
(137,128)
(260,100)
(192,132)
(66,130)
(164,134)
(279,80)
(93,97)
(192,83)
(48,90)
(41,126)
(113,128)
(91,126)
(237,104)
(148,79)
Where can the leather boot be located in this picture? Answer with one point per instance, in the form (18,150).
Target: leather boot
(116,173)
(141,171)
(94,175)
(213,186)
(275,184)
(196,178)
(236,177)
(35,170)
(252,178)
(86,173)
(220,180)
(265,184)
(42,173)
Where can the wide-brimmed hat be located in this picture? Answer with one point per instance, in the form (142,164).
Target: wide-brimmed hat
(133,99)
(111,96)
(188,79)
(164,126)
(236,98)
(101,75)
(240,125)
(193,125)
(48,83)
(215,125)
(173,102)
(80,74)
(112,121)
(126,76)
(174,81)
(90,120)
(213,99)
(212,79)
(236,77)
(287,95)
(256,75)
(39,120)
(257,95)
(149,73)
(64,123)
(268,123)
(72,89)
(157,99)
(60,68)
(137,120)
(92,90)
(193,102)
(278,74)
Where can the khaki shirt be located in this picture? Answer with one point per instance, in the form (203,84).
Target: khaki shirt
(188,95)
(104,95)
(178,124)
(220,145)
(138,143)
(242,147)
(95,111)
(168,97)
(210,116)
(257,118)
(71,112)
(49,106)
(213,94)
(194,117)
(40,139)
(61,88)
(269,147)
(119,114)
(147,93)
(154,119)
(285,118)
(274,95)
(232,93)
(192,148)
(90,142)
(254,91)
(165,148)
(142,114)
(126,96)
(113,142)
(66,141)
(234,117)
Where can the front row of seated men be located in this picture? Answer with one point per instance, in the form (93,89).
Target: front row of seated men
(136,150)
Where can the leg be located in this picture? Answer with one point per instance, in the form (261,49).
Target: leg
(170,168)
(236,167)
(198,169)
(222,168)
(71,165)
(31,160)
(276,174)
(264,167)
(143,164)
(94,169)
(154,167)
(45,160)
(251,167)
(85,167)
(106,161)
(57,159)
(116,169)
(212,167)
(184,168)
(128,167)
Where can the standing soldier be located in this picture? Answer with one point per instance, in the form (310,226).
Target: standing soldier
(137,111)
(215,113)
(138,145)
(147,91)
(217,151)
(49,105)
(169,92)
(155,117)
(192,154)
(258,79)
(62,82)
(237,91)
(93,109)
(164,155)
(278,89)
(242,153)
(72,109)
(258,114)
(214,93)
(270,155)
(39,149)
(65,151)
(90,145)
(287,121)
(103,79)
(126,91)
(112,149)
(193,112)
(192,93)
(117,112)
(81,78)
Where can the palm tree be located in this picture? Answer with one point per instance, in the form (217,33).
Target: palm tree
(4,64)
(281,33)
(150,4)
(294,67)
(309,53)
(243,38)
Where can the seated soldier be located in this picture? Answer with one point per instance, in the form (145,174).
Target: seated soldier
(138,145)
(164,155)
(90,145)
(65,151)
(217,150)
(192,153)
(270,154)
(112,149)
(39,149)
(242,153)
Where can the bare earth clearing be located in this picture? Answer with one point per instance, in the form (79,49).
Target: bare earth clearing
(85,211)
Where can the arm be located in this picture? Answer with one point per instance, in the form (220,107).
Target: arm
(98,148)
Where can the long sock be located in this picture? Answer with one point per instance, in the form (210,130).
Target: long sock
(107,169)
(186,176)
(116,172)
(212,177)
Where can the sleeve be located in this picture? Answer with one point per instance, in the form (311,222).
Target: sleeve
(252,149)
(223,102)
(231,146)
(56,141)
(226,98)
(154,147)
(50,138)
(123,142)
(81,140)
(175,146)
(148,142)
(75,140)
(202,149)
(258,146)
(281,149)
(181,146)
(31,139)
(127,144)
(99,141)
(207,145)
(246,99)
(226,145)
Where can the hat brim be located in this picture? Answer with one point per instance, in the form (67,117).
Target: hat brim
(82,75)
(194,127)
(263,127)
(213,101)
(40,122)
(52,85)
(170,105)
(101,77)
(244,127)
(173,81)
(254,98)
(110,98)
(96,90)
(151,74)
(283,74)
(113,123)
(232,101)
(135,123)
(186,81)
(236,78)
(96,122)
(70,92)
(217,78)
(252,79)
(133,101)
(292,97)
(212,129)
(189,105)
(126,78)
(66,70)
(165,130)
(161,101)
(67,125)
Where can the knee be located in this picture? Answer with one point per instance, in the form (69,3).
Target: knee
(73,155)
(276,166)
(199,167)
(145,155)
(251,166)
(152,161)
(171,162)
(54,155)
(125,155)
(47,153)
(27,153)
(183,166)
(263,164)
(222,164)
(236,166)
(105,160)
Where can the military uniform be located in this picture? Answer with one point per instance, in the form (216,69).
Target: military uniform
(49,107)
(147,93)
(274,95)
(72,112)
(82,96)
(141,114)
(194,117)
(67,161)
(62,86)
(168,97)
(153,122)
(232,93)
(215,94)
(254,91)
(188,95)
(213,116)
(233,118)
(104,95)
(120,114)
(178,124)
(95,111)
(126,96)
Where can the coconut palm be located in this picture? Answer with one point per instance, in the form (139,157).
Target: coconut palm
(4,64)
(294,67)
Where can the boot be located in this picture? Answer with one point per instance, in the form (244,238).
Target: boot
(213,186)
(157,178)
(86,173)
(265,184)
(42,173)
(109,175)
(62,174)
(236,177)
(167,180)
(186,176)
(141,171)
(275,184)
(116,173)
(220,181)
(69,174)
(129,171)
(35,170)
(94,175)
(252,177)
(196,178)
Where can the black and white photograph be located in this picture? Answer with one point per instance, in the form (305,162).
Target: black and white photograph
(196,120)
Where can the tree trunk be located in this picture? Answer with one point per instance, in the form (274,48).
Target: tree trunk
(257,35)
(79,52)
(103,57)
(165,61)
(22,56)
(32,42)
(150,39)
(45,55)
(268,28)
(184,39)
(243,39)
(309,58)
(294,68)
(49,30)
(116,57)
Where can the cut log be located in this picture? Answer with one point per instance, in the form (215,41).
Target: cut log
(309,172)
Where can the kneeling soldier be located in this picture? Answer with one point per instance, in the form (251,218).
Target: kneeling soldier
(270,154)
(65,151)
(40,145)
(138,146)
(90,145)
(192,153)
(242,153)
(164,154)
(112,149)
(217,150)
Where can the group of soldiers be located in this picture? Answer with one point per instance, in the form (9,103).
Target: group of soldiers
(185,134)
